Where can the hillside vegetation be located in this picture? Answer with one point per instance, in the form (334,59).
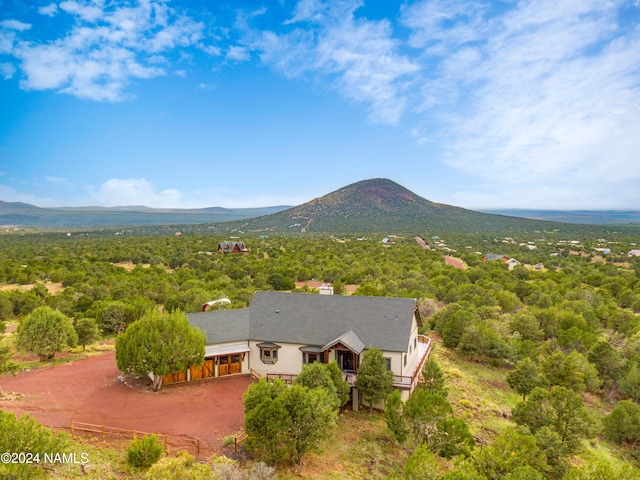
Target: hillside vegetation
(569,312)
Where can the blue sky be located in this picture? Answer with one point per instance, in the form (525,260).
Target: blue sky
(480,104)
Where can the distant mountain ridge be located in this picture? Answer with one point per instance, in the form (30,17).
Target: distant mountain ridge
(584,217)
(374,205)
(26,215)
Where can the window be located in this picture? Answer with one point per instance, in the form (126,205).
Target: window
(388,361)
(268,352)
(415,342)
(308,357)
(405,359)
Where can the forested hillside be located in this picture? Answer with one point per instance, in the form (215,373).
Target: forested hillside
(560,328)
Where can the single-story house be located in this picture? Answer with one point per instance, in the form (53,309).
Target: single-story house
(634,253)
(280,332)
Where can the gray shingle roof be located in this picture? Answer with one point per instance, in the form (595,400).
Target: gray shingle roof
(222,326)
(311,319)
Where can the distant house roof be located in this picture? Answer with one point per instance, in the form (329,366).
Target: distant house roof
(493,256)
(232,247)
(314,320)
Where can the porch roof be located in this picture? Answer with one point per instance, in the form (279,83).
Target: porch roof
(350,340)
(311,349)
(216,350)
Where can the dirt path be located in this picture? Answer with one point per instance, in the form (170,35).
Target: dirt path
(90,390)
(454,262)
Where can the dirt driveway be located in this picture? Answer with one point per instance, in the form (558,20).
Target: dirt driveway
(90,390)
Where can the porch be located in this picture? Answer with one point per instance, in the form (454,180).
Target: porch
(404,382)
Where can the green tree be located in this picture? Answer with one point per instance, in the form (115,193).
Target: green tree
(24,435)
(112,316)
(607,361)
(623,423)
(144,452)
(572,371)
(525,377)
(629,384)
(560,409)
(432,378)
(422,414)
(422,465)
(373,380)
(283,423)
(393,409)
(510,454)
(87,331)
(266,421)
(159,344)
(311,414)
(7,365)
(343,389)
(44,332)
(320,375)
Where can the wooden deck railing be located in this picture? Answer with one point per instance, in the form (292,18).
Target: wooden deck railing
(170,442)
(285,377)
(400,381)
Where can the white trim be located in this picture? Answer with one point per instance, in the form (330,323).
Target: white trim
(216,350)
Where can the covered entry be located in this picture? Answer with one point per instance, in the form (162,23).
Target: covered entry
(347,348)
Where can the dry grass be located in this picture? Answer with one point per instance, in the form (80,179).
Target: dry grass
(51,287)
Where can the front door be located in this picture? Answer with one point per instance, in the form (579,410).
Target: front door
(346,360)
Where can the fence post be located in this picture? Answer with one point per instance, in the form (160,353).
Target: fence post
(197,447)
(166,441)
(72,428)
(102,430)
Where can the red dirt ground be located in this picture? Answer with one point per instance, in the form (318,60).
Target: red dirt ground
(91,390)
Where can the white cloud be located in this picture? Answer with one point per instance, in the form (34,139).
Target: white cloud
(59,180)
(237,53)
(139,191)
(105,50)
(15,25)
(9,194)
(87,11)
(543,93)
(122,192)
(7,70)
(357,56)
(49,10)
(212,50)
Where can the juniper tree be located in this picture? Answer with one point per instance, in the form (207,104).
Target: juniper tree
(159,344)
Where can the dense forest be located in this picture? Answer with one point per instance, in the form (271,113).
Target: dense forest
(562,325)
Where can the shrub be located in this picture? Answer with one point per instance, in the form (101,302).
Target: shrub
(144,452)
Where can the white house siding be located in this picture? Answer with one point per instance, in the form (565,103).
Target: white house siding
(396,361)
(289,359)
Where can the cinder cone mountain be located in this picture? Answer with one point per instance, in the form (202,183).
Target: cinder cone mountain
(381,205)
